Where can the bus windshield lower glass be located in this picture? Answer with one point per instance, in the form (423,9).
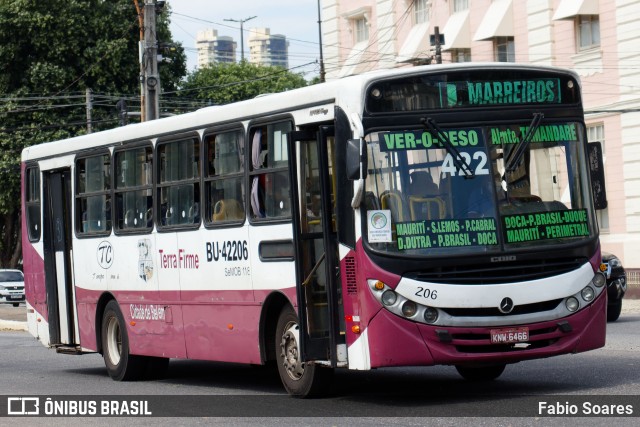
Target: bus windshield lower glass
(420,201)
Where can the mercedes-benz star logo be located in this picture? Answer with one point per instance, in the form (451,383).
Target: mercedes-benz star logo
(506,305)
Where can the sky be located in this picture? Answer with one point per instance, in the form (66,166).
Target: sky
(295,19)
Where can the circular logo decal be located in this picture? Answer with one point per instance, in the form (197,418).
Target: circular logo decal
(378,220)
(105,254)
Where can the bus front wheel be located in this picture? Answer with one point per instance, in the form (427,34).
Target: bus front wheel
(299,378)
(480,373)
(121,365)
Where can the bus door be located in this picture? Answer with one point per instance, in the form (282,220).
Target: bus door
(315,237)
(57,257)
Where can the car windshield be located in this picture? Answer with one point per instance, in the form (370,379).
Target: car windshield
(476,189)
(11,276)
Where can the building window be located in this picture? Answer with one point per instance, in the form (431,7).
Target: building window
(596,133)
(460,5)
(361,27)
(460,55)
(224,183)
(588,31)
(505,49)
(420,11)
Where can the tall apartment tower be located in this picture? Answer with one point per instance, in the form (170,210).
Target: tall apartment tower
(213,49)
(268,49)
(596,38)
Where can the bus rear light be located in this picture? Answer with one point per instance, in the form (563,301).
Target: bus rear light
(356,329)
(572,304)
(348,318)
(379,285)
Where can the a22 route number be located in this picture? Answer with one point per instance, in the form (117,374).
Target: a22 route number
(230,250)
(479,160)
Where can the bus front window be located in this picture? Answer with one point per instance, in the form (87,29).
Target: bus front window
(419,199)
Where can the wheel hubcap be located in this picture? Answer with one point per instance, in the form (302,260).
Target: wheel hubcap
(290,352)
(114,341)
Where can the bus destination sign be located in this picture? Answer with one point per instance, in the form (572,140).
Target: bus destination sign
(545,225)
(500,92)
(446,233)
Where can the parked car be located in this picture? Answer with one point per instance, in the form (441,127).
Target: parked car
(11,287)
(616,285)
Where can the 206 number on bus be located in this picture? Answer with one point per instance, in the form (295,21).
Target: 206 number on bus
(229,250)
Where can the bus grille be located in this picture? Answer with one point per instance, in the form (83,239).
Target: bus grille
(506,272)
(493,311)
(350,272)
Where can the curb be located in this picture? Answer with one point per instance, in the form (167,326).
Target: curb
(13,325)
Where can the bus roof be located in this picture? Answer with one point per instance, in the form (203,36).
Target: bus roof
(347,90)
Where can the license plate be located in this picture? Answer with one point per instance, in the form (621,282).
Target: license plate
(15,297)
(508,336)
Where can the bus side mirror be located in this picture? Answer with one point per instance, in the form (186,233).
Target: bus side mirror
(356,159)
(596,170)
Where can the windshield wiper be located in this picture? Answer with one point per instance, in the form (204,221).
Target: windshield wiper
(458,160)
(516,155)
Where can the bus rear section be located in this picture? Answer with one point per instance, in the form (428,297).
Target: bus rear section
(478,241)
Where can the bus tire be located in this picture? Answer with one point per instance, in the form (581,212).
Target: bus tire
(299,379)
(121,365)
(613,311)
(480,373)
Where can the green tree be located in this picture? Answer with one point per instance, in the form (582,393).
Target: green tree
(51,52)
(230,82)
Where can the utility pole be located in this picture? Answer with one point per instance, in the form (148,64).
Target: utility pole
(89,106)
(322,72)
(150,60)
(438,40)
(241,21)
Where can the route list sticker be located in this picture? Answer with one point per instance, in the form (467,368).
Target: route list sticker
(379,226)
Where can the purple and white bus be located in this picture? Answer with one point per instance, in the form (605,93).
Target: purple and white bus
(438,215)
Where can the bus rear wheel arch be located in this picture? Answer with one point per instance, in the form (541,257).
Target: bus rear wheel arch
(120,363)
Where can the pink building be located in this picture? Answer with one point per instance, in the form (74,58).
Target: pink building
(596,38)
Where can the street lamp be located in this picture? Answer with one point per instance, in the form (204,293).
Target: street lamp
(241,21)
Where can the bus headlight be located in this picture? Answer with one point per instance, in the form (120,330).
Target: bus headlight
(430,314)
(572,304)
(409,308)
(388,297)
(599,280)
(588,293)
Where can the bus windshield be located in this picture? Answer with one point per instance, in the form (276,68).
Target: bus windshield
(476,189)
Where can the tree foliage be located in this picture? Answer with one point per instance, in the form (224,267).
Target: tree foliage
(230,82)
(52,51)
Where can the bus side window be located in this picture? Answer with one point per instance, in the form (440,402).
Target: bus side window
(179,182)
(224,183)
(93,198)
(133,189)
(270,186)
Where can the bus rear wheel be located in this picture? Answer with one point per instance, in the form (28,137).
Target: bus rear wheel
(300,379)
(480,373)
(121,365)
